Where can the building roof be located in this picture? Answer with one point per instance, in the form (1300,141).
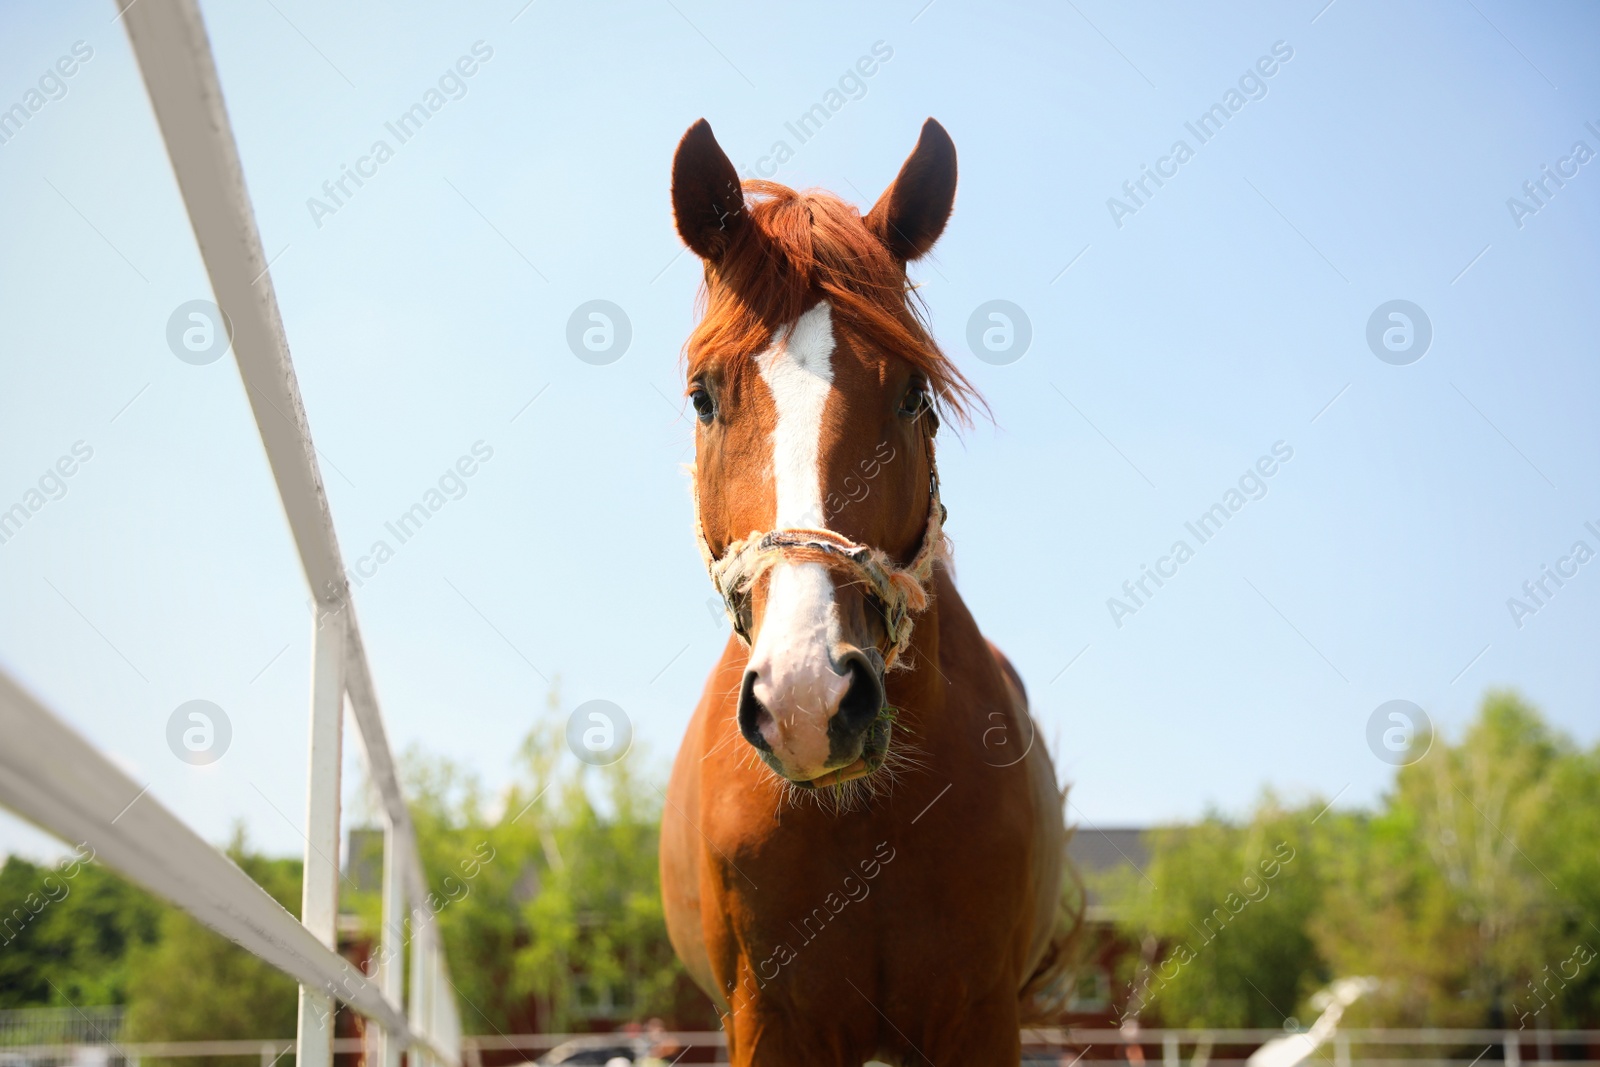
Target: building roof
(1097,852)
(1100,849)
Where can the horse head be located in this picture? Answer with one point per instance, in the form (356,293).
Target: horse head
(818,390)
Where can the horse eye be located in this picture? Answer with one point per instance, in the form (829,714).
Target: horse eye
(703,405)
(914,402)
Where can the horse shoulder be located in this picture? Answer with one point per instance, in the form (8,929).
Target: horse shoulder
(682,839)
(1049,827)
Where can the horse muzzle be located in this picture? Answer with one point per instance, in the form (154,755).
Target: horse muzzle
(824,726)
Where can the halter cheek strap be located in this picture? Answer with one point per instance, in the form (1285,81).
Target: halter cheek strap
(900,592)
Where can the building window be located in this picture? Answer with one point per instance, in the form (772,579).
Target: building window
(1091,991)
(601,1000)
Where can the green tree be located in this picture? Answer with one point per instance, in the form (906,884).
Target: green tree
(1442,893)
(597,934)
(1566,848)
(1388,913)
(66,931)
(1473,892)
(1223,909)
(195,985)
(555,901)
(473,864)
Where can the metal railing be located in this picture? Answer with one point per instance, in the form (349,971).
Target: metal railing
(55,778)
(60,1026)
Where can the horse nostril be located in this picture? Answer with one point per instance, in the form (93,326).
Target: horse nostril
(862,700)
(753,715)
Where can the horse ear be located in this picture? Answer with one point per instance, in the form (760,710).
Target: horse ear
(910,215)
(706,198)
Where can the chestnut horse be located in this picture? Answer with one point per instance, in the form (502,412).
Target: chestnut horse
(862,847)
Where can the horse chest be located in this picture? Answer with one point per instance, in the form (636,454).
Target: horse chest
(808,900)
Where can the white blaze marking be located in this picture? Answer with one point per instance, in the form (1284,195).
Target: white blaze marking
(799,371)
(792,657)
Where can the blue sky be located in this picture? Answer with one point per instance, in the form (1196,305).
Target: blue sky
(1172,348)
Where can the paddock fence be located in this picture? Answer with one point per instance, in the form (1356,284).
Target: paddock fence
(1059,1047)
(58,780)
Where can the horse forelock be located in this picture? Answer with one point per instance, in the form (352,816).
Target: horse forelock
(801,248)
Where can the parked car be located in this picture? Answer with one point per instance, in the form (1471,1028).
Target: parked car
(599,1050)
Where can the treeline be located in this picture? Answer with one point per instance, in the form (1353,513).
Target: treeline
(548,901)
(74,934)
(1472,893)
(549,898)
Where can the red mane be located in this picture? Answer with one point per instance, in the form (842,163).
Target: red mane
(800,248)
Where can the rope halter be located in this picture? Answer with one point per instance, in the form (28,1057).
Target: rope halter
(899,592)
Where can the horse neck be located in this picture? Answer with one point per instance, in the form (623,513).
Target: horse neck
(922,687)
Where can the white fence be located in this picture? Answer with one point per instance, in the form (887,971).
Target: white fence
(1059,1047)
(1340,1048)
(58,780)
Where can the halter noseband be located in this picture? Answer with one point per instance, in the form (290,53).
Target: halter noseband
(899,592)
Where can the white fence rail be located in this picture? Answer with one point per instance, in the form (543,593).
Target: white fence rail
(58,780)
(1169,1048)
